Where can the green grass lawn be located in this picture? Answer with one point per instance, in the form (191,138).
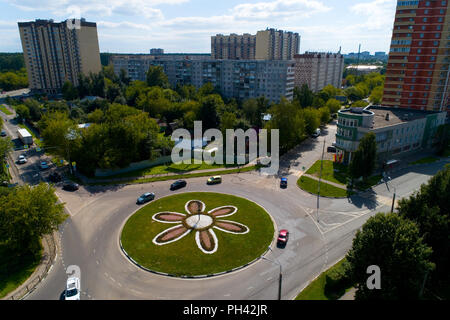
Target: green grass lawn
(331,171)
(15,272)
(425,160)
(164,169)
(177,176)
(326,190)
(316,289)
(183,257)
(5,110)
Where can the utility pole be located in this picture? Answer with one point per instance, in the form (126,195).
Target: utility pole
(280,277)
(320,179)
(393,201)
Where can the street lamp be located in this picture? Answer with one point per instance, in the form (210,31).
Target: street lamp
(280,277)
(393,197)
(320,179)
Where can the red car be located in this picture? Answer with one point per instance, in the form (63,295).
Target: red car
(283,237)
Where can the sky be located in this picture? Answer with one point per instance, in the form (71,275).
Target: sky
(135,26)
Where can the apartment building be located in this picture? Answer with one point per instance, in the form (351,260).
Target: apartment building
(58,52)
(233,46)
(240,79)
(318,69)
(417,74)
(398,131)
(269,44)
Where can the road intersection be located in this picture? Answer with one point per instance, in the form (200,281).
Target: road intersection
(90,236)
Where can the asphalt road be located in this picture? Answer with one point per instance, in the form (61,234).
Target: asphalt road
(90,236)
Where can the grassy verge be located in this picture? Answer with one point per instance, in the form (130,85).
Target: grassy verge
(5,110)
(330,285)
(183,257)
(425,160)
(14,272)
(331,171)
(164,169)
(176,177)
(326,190)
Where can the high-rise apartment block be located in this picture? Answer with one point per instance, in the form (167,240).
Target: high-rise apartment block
(233,46)
(417,74)
(58,52)
(240,79)
(318,69)
(269,44)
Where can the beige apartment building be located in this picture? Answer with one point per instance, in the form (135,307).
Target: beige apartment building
(269,44)
(318,69)
(58,52)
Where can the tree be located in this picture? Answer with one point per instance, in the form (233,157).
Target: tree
(26,214)
(227,121)
(359,104)
(430,210)
(6,146)
(334,105)
(250,111)
(325,115)
(312,119)
(376,95)
(304,96)
(157,78)
(394,245)
(364,158)
(22,112)
(69,91)
(443,138)
(208,111)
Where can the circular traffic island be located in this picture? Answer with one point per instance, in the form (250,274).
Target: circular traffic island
(197,234)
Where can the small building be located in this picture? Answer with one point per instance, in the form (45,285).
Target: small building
(397,131)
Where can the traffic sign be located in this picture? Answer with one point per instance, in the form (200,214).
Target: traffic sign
(38,149)
(25,146)
(7,166)
(62,161)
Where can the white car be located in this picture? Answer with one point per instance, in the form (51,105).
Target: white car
(316,133)
(72,289)
(22,159)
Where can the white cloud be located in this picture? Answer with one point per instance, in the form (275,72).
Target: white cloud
(380,13)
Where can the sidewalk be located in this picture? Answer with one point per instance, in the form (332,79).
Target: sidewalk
(334,184)
(349,295)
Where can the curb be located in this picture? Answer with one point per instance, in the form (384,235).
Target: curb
(199,276)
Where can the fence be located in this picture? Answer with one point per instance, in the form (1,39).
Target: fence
(42,271)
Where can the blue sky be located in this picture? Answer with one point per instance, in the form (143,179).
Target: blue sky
(135,26)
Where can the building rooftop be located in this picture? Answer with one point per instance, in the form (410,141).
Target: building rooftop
(396,115)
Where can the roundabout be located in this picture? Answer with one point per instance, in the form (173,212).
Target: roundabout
(197,234)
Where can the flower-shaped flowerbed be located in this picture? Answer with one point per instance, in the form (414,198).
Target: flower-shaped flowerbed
(199,233)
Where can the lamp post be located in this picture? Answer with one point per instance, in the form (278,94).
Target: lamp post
(280,277)
(320,179)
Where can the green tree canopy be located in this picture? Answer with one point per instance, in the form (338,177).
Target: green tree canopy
(394,245)
(157,77)
(364,158)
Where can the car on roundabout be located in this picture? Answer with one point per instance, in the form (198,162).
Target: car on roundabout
(178,185)
(283,237)
(72,289)
(283,183)
(146,197)
(22,159)
(214,180)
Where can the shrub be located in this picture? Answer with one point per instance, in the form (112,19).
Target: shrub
(337,280)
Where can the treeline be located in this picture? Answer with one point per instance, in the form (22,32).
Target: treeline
(11,61)
(13,80)
(124,119)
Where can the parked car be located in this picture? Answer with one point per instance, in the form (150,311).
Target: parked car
(283,183)
(316,133)
(283,238)
(72,289)
(214,180)
(178,184)
(70,186)
(44,165)
(54,177)
(3,133)
(22,159)
(331,149)
(146,197)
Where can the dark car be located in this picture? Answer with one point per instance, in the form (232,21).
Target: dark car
(70,186)
(178,184)
(331,149)
(54,177)
(283,238)
(146,197)
(44,165)
(283,183)
(3,133)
